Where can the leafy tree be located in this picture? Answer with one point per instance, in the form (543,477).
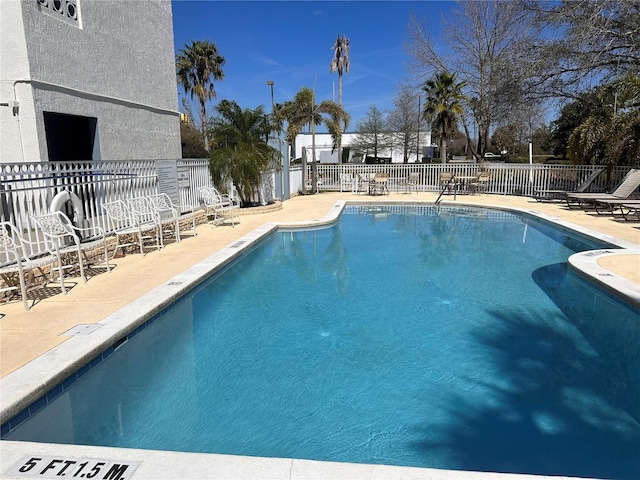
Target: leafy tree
(443,106)
(571,116)
(373,133)
(303,111)
(610,135)
(542,143)
(505,138)
(586,41)
(197,66)
(240,152)
(191,140)
(516,141)
(481,41)
(190,136)
(404,121)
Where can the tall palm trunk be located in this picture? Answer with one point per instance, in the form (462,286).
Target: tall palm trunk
(340,103)
(314,164)
(203,119)
(443,148)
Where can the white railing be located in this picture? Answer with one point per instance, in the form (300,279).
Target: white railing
(28,189)
(505,179)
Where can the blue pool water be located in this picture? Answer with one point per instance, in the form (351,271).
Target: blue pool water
(430,337)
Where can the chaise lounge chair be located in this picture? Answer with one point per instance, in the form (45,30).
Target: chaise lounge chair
(68,242)
(219,207)
(626,209)
(623,191)
(549,195)
(19,271)
(170,215)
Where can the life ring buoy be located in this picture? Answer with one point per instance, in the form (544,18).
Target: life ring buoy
(61,198)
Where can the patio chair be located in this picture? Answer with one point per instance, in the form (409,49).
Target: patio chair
(65,238)
(480,184)
(379,184)
(411,182)
(623,191)
(346,182)
(170,214)
(56,237)
(219,207)
(548,195)
(448,182)
(122,223)
(363,183)
(17,268)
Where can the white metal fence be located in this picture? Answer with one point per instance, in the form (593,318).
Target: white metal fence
(27,189)
(505,178)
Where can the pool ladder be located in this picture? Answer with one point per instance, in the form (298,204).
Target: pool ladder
(447,186)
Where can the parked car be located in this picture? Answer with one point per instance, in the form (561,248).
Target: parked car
(491,155)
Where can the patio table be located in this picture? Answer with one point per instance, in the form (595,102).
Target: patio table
(464,181)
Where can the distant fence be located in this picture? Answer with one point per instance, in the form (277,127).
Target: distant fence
(505,178)
(27,189)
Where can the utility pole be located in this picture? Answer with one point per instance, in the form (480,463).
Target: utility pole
(418,135)
(270,83)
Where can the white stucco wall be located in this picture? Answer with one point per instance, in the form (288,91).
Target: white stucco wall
(116,64)
(14,66)
(324,144)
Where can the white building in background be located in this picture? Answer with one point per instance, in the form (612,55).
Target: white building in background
(324,145)
(87,80)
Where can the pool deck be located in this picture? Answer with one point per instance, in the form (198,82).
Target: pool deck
(26,336)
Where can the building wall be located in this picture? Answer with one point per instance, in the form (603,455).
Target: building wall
(115,62)
(324,144)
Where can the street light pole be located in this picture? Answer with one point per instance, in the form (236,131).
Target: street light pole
(418,135)
(270,83)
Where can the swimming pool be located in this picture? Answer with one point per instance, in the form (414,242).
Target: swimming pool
(451,312)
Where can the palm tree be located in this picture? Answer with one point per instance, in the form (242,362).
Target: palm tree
(610,134)
(443,106)
(340,63)
(197,66)
(302,111)
(240,152)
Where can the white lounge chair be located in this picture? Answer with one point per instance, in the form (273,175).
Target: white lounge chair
(170,213)
(17,268)
(123,223)
(346,182)
(219,207)
(66,241)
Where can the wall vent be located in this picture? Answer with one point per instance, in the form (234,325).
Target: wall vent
(66,10)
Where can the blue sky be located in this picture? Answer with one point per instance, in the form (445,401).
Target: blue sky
(290,42)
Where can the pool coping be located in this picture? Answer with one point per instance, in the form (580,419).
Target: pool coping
(30,382)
